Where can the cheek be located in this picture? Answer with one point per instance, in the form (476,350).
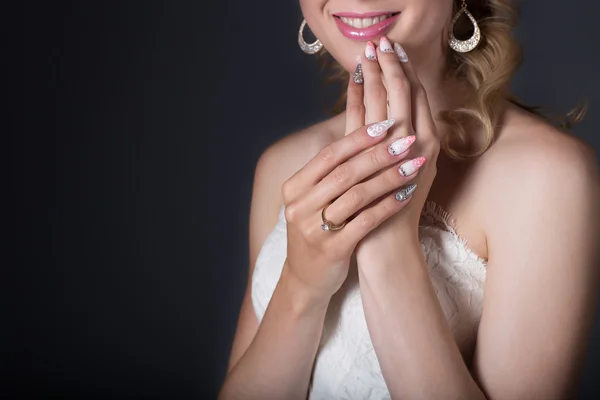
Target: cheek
(317,15)
(425,23)
(310,9)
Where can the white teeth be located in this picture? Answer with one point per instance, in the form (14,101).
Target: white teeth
(364,22)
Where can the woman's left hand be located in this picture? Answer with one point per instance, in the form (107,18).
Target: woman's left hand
(392,89)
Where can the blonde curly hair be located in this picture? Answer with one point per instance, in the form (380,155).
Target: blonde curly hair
(488,70)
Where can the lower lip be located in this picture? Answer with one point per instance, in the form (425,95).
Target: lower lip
(369,33)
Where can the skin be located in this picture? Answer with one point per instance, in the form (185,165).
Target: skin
(528,205)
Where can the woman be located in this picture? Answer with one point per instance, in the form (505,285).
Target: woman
(383,267)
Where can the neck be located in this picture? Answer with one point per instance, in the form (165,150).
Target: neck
(443,92)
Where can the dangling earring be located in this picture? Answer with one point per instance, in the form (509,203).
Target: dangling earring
(464,46)
(308,48)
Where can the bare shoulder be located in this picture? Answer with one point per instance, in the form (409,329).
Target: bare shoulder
(525,136)
(530,148)
(531,163)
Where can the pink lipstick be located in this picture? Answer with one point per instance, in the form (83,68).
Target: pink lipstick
(367,26)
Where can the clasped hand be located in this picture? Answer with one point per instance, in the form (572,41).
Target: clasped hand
(376,178)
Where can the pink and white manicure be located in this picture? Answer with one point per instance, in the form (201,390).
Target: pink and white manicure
(379,128)
(411,166)
(400,53)
(370,52)
(401,145)
(385,46)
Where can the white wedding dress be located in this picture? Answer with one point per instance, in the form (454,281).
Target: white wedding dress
(346,365)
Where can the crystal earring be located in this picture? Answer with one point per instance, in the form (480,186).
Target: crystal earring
(308,48)
(464,46)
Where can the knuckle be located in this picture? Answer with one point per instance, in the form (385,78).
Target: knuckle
(357,139)
(374,158)
(387,208)
(378,92)
(401,82)
(340,174)
(391,179)
(354,197)
(355,108)
(367,220)
(287,191)
(291,213)
(327,154)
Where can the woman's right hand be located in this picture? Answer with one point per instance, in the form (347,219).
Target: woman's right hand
(356,178)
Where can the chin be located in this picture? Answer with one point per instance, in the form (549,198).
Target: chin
(344,27)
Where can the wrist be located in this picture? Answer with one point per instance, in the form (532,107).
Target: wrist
(301,298)
(389,246)
(397,252)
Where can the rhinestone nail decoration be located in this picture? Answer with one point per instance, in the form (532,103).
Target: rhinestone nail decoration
(400,53)
(358,75)
(370,52)
(379,128)
(406,192)
(401,145)
(411,166)
(464,46)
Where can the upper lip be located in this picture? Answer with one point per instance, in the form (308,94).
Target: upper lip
(363,15)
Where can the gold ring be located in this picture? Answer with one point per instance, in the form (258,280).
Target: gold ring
(328,225)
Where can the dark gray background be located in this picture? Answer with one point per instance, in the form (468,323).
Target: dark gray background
(143,124)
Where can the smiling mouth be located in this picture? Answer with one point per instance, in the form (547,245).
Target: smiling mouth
(360,23)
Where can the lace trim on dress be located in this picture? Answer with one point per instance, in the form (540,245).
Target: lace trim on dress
(433,215)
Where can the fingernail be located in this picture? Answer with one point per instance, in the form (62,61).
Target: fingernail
(411,166)
(400,53)
(406,192)
(401,145)
(358,75)
(379,128)
(370,52)
(385,46)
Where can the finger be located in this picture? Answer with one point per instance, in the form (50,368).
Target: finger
(359,168)
(355,108)
(373,216)
(360,196)
(422,118)
(398,87)
(375,92)
(332,156)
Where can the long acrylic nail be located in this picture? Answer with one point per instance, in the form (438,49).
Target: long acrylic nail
(410,167)
(401,145)
(385,46)
(400,53)
(370,52)
(406,192)
(379,128)
(358,75)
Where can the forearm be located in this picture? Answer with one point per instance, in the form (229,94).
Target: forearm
(411,337)
(278,362)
